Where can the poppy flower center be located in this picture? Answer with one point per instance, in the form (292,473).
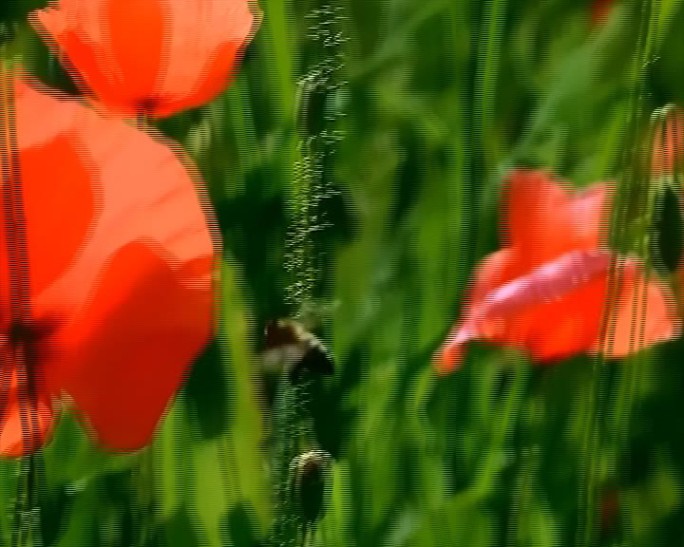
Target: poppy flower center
(24,332)
(29,336)
(147,106)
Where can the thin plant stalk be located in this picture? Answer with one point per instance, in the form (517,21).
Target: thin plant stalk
(633,198)
(20,348)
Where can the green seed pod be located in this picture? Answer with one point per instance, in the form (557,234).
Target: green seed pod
(310,484)
(310,104)
(8,31)
(668,233)
(666,155)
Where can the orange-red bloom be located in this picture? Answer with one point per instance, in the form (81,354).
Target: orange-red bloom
(121,266)
(546,290)
(151,57)
(600,10)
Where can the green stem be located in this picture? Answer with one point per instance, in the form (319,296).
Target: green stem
(20,354)
(484,153)
(630,201)
(288,425)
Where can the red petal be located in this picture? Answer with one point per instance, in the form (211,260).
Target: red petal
(556,311)
(75,35)
(645,314)
(18,420)
(133,344)
(54,179)
(208,38)
(172,55)
(55,197)
(543,220)
(43,129)
(136,41)
(589,216)
(553,312)
(40,116)
(125,278)
(600,10)
(495,270)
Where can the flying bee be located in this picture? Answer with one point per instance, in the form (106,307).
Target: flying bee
(288,344)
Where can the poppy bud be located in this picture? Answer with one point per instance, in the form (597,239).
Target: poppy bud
(667,237)
(8,31)
(609,511)
(311,97)
(309,483)
(667,140)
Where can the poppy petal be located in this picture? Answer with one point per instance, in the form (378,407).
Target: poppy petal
(74,33)
(600,10)
(144,193)
(43,138)
(208,37)
(588,213)
(645,314)
(171,56)
(19,417)
(494,271)
(543,220)
(130,304)
(556,311)
(138,61)
(132,345)
(48,194)
(40,116)
(552,312)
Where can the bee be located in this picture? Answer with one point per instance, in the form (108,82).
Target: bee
(288,344)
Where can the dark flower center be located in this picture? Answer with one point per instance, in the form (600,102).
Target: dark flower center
(30,337)
(24,332)
(147,106)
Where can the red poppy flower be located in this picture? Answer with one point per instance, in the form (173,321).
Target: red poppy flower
(152,57)
(544,292)
(600,10)
(609,510)
(121,265)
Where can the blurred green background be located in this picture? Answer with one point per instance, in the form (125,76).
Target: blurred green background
(433,101)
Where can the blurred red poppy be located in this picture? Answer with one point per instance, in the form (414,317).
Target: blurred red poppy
(545,291)
(149,57)
(609,510)
(600,10)
(121,262)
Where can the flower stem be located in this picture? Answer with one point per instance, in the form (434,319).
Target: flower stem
(631,217)
(19,354)
(288,428)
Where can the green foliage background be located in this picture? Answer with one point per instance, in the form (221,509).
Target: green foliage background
(440,98)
